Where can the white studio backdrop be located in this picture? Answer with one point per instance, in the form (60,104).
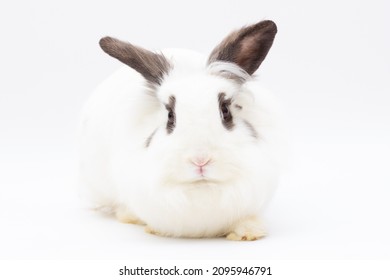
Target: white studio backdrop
(329,67)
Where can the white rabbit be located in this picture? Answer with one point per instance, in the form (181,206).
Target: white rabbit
(187,145)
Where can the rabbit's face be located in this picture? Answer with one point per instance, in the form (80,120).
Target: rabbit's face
(207,129)
(204,137)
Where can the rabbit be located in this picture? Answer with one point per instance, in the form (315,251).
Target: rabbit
(185,144)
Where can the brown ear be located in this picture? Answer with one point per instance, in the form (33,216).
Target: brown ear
(246,47)
(150,65)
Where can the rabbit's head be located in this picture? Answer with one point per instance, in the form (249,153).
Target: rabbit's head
(208,122)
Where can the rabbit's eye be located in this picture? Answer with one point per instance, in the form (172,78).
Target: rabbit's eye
(171,121)
(171,114)
(224,109)
(225,112)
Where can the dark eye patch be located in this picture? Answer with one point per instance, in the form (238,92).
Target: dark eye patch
(171,122)
(149,139)
(239,107)
(224,109)
(251,129)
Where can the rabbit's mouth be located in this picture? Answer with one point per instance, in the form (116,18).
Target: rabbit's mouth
(205,182)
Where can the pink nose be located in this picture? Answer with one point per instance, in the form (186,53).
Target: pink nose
(200,162)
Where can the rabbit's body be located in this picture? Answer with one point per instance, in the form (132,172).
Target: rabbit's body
(195,153)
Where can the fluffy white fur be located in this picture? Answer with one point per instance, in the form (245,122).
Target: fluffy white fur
(158,186)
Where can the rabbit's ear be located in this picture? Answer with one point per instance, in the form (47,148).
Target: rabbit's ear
(151,65)
(246,47)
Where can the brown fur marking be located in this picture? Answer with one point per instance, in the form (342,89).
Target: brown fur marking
(246,47)
(151,65)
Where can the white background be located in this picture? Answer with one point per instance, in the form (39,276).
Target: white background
(329,66)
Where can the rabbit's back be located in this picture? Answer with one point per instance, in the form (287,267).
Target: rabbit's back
(97,125)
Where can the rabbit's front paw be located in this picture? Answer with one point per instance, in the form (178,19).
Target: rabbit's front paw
(124,216)
(149,230)
(247,230)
